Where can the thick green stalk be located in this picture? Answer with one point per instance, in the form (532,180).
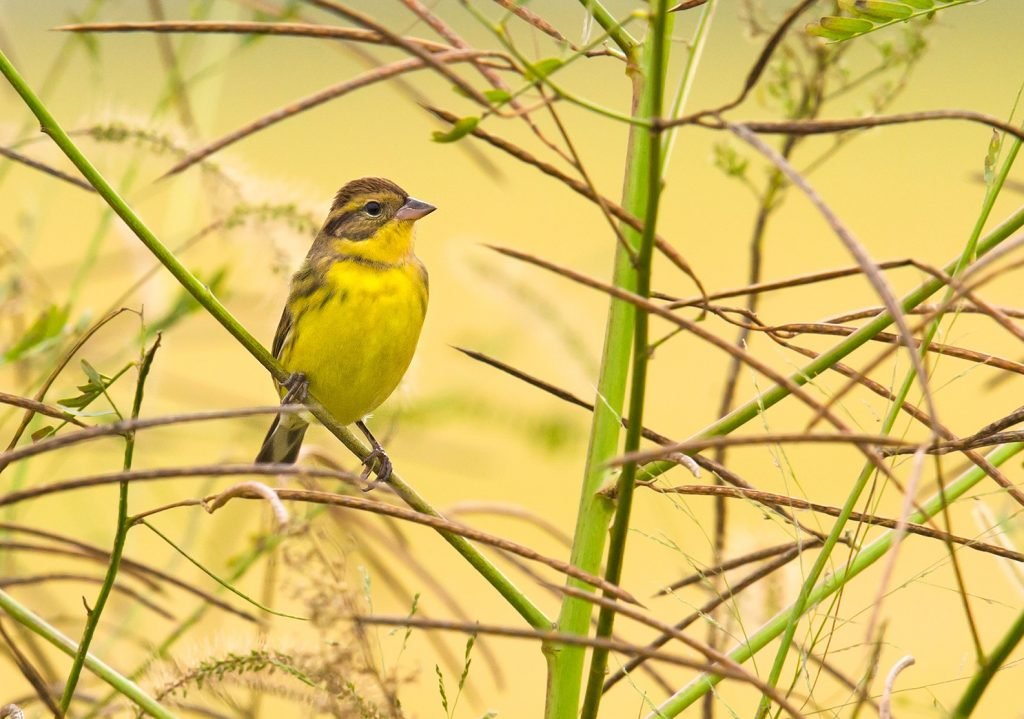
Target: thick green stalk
(870,554)
(515,597)
(626,42)
(658,35)
(981,679)
(120,535)
(123,685)
(565,663)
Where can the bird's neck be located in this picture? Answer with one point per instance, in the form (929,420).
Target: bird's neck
(391,245)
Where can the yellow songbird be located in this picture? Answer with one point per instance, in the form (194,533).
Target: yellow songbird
(353,315)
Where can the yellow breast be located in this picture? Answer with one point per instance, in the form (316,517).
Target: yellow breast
(355,335)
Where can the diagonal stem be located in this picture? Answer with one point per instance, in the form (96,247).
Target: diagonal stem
(515,597)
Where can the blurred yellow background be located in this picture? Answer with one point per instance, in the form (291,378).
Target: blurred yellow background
(460,432)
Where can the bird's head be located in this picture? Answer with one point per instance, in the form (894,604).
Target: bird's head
(373,218)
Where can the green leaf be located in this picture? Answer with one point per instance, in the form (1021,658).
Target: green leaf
(877,9)
(42,433)
(468,661)
(95,378)
(823,32)
(992,156)
(871,15)
(46,326)
(440,688)
(92,389)
(460,129)
(849,25)
(542,68)
(497,96)
(729,161)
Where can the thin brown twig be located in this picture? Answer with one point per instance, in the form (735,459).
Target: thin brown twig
(703,611)
(953,297)
(46,169)
(979,460)
(550,637)
(963,308)
(330,498)
(713,655)
(333,92)
(699,332)
(434,62)
(503,509)
(292,29)
(724,566)
(759,287)
(531,18)
(581,188)
(31,674)
(448,33)
(755,72)
(700,443)
(39,408)
(971,442)
(31,579)
(822,127)
(787,331)
(772,498)
(650,434)
(126,425)
(150,576)
(855,248)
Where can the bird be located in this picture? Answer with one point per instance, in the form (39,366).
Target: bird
(353,317)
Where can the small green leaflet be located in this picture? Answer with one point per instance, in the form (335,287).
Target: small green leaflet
(89,391)
(49,324)
(543,68)
(497,96)
(459,130)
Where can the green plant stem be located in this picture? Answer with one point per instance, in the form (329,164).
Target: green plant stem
(565,663)
(868,470)
(981,679)
(650,189)
(810,595)
(120,536)
(266,545)
(746,412)
(619,35)
(123,685)
(515,597)
(868,555)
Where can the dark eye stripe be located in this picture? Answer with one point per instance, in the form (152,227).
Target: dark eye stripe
(350,226)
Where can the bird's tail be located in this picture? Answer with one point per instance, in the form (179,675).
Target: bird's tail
(283,441)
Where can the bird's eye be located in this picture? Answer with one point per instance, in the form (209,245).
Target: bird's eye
(373,209)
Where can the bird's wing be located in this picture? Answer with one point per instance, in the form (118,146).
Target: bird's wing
(284,327)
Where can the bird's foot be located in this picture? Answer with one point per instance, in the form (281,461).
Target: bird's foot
(383,469)
(297,385)
(377,454)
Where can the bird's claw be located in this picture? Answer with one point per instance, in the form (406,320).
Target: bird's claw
(297,385)
(384,467)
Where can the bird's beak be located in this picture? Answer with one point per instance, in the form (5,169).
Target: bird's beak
(414,209)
